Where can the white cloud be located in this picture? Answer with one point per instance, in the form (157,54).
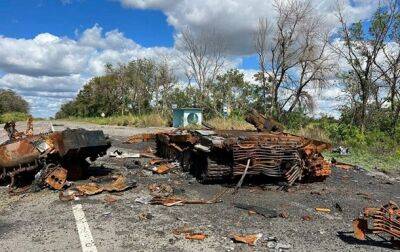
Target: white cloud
(43,55)
(48,70)
(235,20)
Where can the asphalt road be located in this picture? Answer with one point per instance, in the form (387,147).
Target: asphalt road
(41,222)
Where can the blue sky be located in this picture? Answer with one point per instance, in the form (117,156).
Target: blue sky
(27,18)
(50,48)
(149,28)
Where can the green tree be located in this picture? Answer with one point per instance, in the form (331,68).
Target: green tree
(12,102)
(231,89)
(137,87)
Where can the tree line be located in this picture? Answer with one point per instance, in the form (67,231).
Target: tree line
(298,56)
(12,102)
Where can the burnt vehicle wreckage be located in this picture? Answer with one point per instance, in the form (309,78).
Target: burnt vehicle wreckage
(51,157)
(219,155)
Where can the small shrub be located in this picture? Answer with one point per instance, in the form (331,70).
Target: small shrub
(295,120)
(16,117)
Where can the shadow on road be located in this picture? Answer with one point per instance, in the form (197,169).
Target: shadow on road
(348,238)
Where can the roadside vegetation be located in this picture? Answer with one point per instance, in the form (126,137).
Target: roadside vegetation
(147,120)
(15,116)
(372,149)
(12,106)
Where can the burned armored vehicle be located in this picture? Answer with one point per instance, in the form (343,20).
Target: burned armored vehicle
(51,157)
(220,155)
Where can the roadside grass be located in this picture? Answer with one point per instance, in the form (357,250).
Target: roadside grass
(148,120)
(372,150)
(156,120)
(230,123)
(367,159)
(312,131)
(16,117)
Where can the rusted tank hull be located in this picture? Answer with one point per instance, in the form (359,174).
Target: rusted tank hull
(68,149)
(20,152)
(225,154)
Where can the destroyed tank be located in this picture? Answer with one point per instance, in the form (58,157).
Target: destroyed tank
(53,157)
(220,155)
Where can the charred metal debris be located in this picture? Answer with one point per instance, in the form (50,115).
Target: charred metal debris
(51,158)
(220,155)
(383,220)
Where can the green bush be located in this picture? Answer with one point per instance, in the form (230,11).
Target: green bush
(15,116)
(340,133)
(295,120)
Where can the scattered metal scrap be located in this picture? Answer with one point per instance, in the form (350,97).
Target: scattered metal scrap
(385,219)
(190,233)
(195,236)
(248,239)
(160,190)
(113,183)
(53,156)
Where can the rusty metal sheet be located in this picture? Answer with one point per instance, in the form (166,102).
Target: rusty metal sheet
(89,189)
(57,178)
(248,239)
(196,236)
(145,137)
(114,183)
(360,227)
(119,184)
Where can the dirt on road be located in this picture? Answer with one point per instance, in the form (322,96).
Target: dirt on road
(41,222)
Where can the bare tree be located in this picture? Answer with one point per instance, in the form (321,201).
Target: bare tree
(204,55)
(361,50)
(261,47)
(315,65)
(294,58)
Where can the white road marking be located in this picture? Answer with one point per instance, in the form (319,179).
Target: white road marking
(82,225)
